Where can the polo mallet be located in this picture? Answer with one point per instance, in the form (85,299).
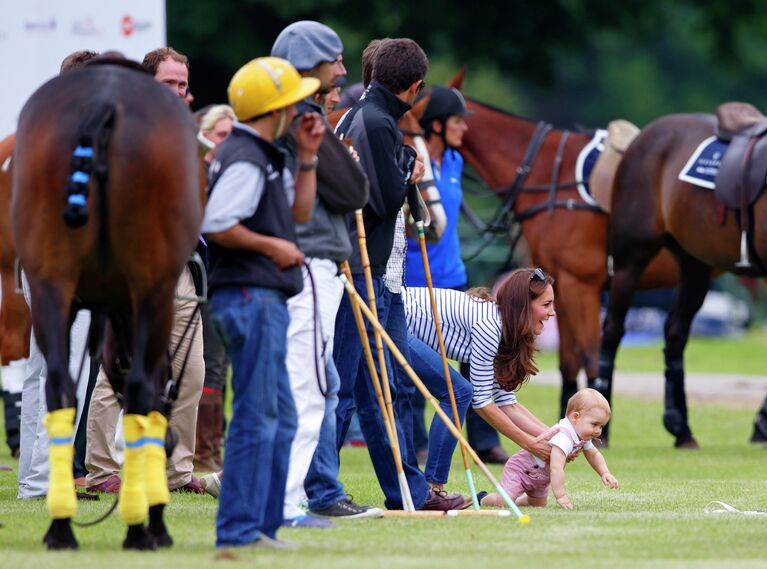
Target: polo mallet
(443,355)
(354,297)
(407,500)
(390,427)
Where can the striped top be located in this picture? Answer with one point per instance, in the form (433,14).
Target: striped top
(471,330)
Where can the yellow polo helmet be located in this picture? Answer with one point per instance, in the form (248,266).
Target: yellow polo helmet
(267,84)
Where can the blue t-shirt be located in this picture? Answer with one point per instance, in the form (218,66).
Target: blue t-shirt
(447,268)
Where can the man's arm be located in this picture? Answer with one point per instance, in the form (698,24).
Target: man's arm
(309,134)
(283,253)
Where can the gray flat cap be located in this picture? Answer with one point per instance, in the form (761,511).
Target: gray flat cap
(306,44)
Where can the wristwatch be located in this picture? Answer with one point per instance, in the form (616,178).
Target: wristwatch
(305,166)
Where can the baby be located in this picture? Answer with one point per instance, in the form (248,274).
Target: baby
(526,478)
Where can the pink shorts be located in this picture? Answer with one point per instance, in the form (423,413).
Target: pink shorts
(521,475)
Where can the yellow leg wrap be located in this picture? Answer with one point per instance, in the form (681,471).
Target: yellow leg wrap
(61,498)
(156,481)
(133,505)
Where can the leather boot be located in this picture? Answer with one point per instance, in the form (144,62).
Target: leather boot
(207,454)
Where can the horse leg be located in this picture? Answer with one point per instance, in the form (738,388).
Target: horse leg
(578,319)
(51,316)
(150,343)
(688,299)
(760,425)
(624,282)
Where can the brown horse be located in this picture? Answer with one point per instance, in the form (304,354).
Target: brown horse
(653,209)
(531,167)
(106,211)
(15,322)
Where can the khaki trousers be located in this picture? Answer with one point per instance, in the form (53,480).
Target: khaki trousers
(100,456)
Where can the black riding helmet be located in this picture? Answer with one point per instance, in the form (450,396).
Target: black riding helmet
(443,103)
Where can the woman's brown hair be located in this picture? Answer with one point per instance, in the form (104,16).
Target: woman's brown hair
(514,362)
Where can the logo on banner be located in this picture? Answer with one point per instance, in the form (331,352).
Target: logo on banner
(86,27)
(129,25)
(46,25)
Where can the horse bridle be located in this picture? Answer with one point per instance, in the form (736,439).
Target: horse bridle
(504,218)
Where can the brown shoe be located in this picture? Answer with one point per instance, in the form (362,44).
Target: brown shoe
(192,486)
(442,501)
(110,486)
(495,455)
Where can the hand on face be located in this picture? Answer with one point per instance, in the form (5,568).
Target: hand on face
(309,135)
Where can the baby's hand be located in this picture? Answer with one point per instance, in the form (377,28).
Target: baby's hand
(565,503)
(609,480)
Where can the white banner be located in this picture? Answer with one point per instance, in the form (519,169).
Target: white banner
(36,35)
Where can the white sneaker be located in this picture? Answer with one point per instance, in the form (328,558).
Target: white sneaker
(211,483)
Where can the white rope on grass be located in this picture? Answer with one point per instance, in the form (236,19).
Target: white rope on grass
(717,507)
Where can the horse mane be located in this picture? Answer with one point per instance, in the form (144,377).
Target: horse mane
(578,128)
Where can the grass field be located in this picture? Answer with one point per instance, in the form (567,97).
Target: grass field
(655,519)
(703,355)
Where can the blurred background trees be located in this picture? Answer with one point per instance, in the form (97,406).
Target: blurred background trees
(571,62)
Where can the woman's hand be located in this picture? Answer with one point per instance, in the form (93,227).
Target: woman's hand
(540,446)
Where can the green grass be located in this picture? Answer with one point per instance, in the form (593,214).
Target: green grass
(655,519)
(703,355)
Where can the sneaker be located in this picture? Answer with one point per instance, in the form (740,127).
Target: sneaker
(192,486)
(110,486)
(348,510)
(211,484)
(442,501)
(307,521)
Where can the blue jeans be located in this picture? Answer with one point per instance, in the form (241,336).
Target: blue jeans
(321,483)
(427,363)
(253,325)
(480,434)
(406,389)
(356,389)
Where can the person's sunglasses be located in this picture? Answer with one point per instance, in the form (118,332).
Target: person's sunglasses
(537,275)
(421,87)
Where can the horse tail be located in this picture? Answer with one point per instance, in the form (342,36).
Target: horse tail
(89,157)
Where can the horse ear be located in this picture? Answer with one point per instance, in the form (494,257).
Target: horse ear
(457,79)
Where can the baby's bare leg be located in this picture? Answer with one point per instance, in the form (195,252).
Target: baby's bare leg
(525,500)
(493,499)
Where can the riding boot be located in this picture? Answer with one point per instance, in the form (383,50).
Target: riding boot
(207,456)
(760,425)
(12,421)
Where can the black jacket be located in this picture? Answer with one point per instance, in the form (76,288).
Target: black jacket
(371,124)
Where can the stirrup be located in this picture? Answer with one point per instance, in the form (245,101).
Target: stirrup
(744,262)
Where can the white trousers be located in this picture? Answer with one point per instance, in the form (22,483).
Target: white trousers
(303,361)
(33,460)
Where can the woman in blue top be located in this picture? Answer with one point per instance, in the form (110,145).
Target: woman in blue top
(444,126)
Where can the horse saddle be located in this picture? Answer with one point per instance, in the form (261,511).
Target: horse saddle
(743,171)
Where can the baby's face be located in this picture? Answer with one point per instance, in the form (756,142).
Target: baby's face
(589,423)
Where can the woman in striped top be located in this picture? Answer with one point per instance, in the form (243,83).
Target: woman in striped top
(496,336)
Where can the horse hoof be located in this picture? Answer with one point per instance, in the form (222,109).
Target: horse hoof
(139,539)
(687,443)
(161,536)
(157,526)
(60,536)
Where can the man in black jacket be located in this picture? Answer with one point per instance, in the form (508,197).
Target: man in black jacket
(398,76)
